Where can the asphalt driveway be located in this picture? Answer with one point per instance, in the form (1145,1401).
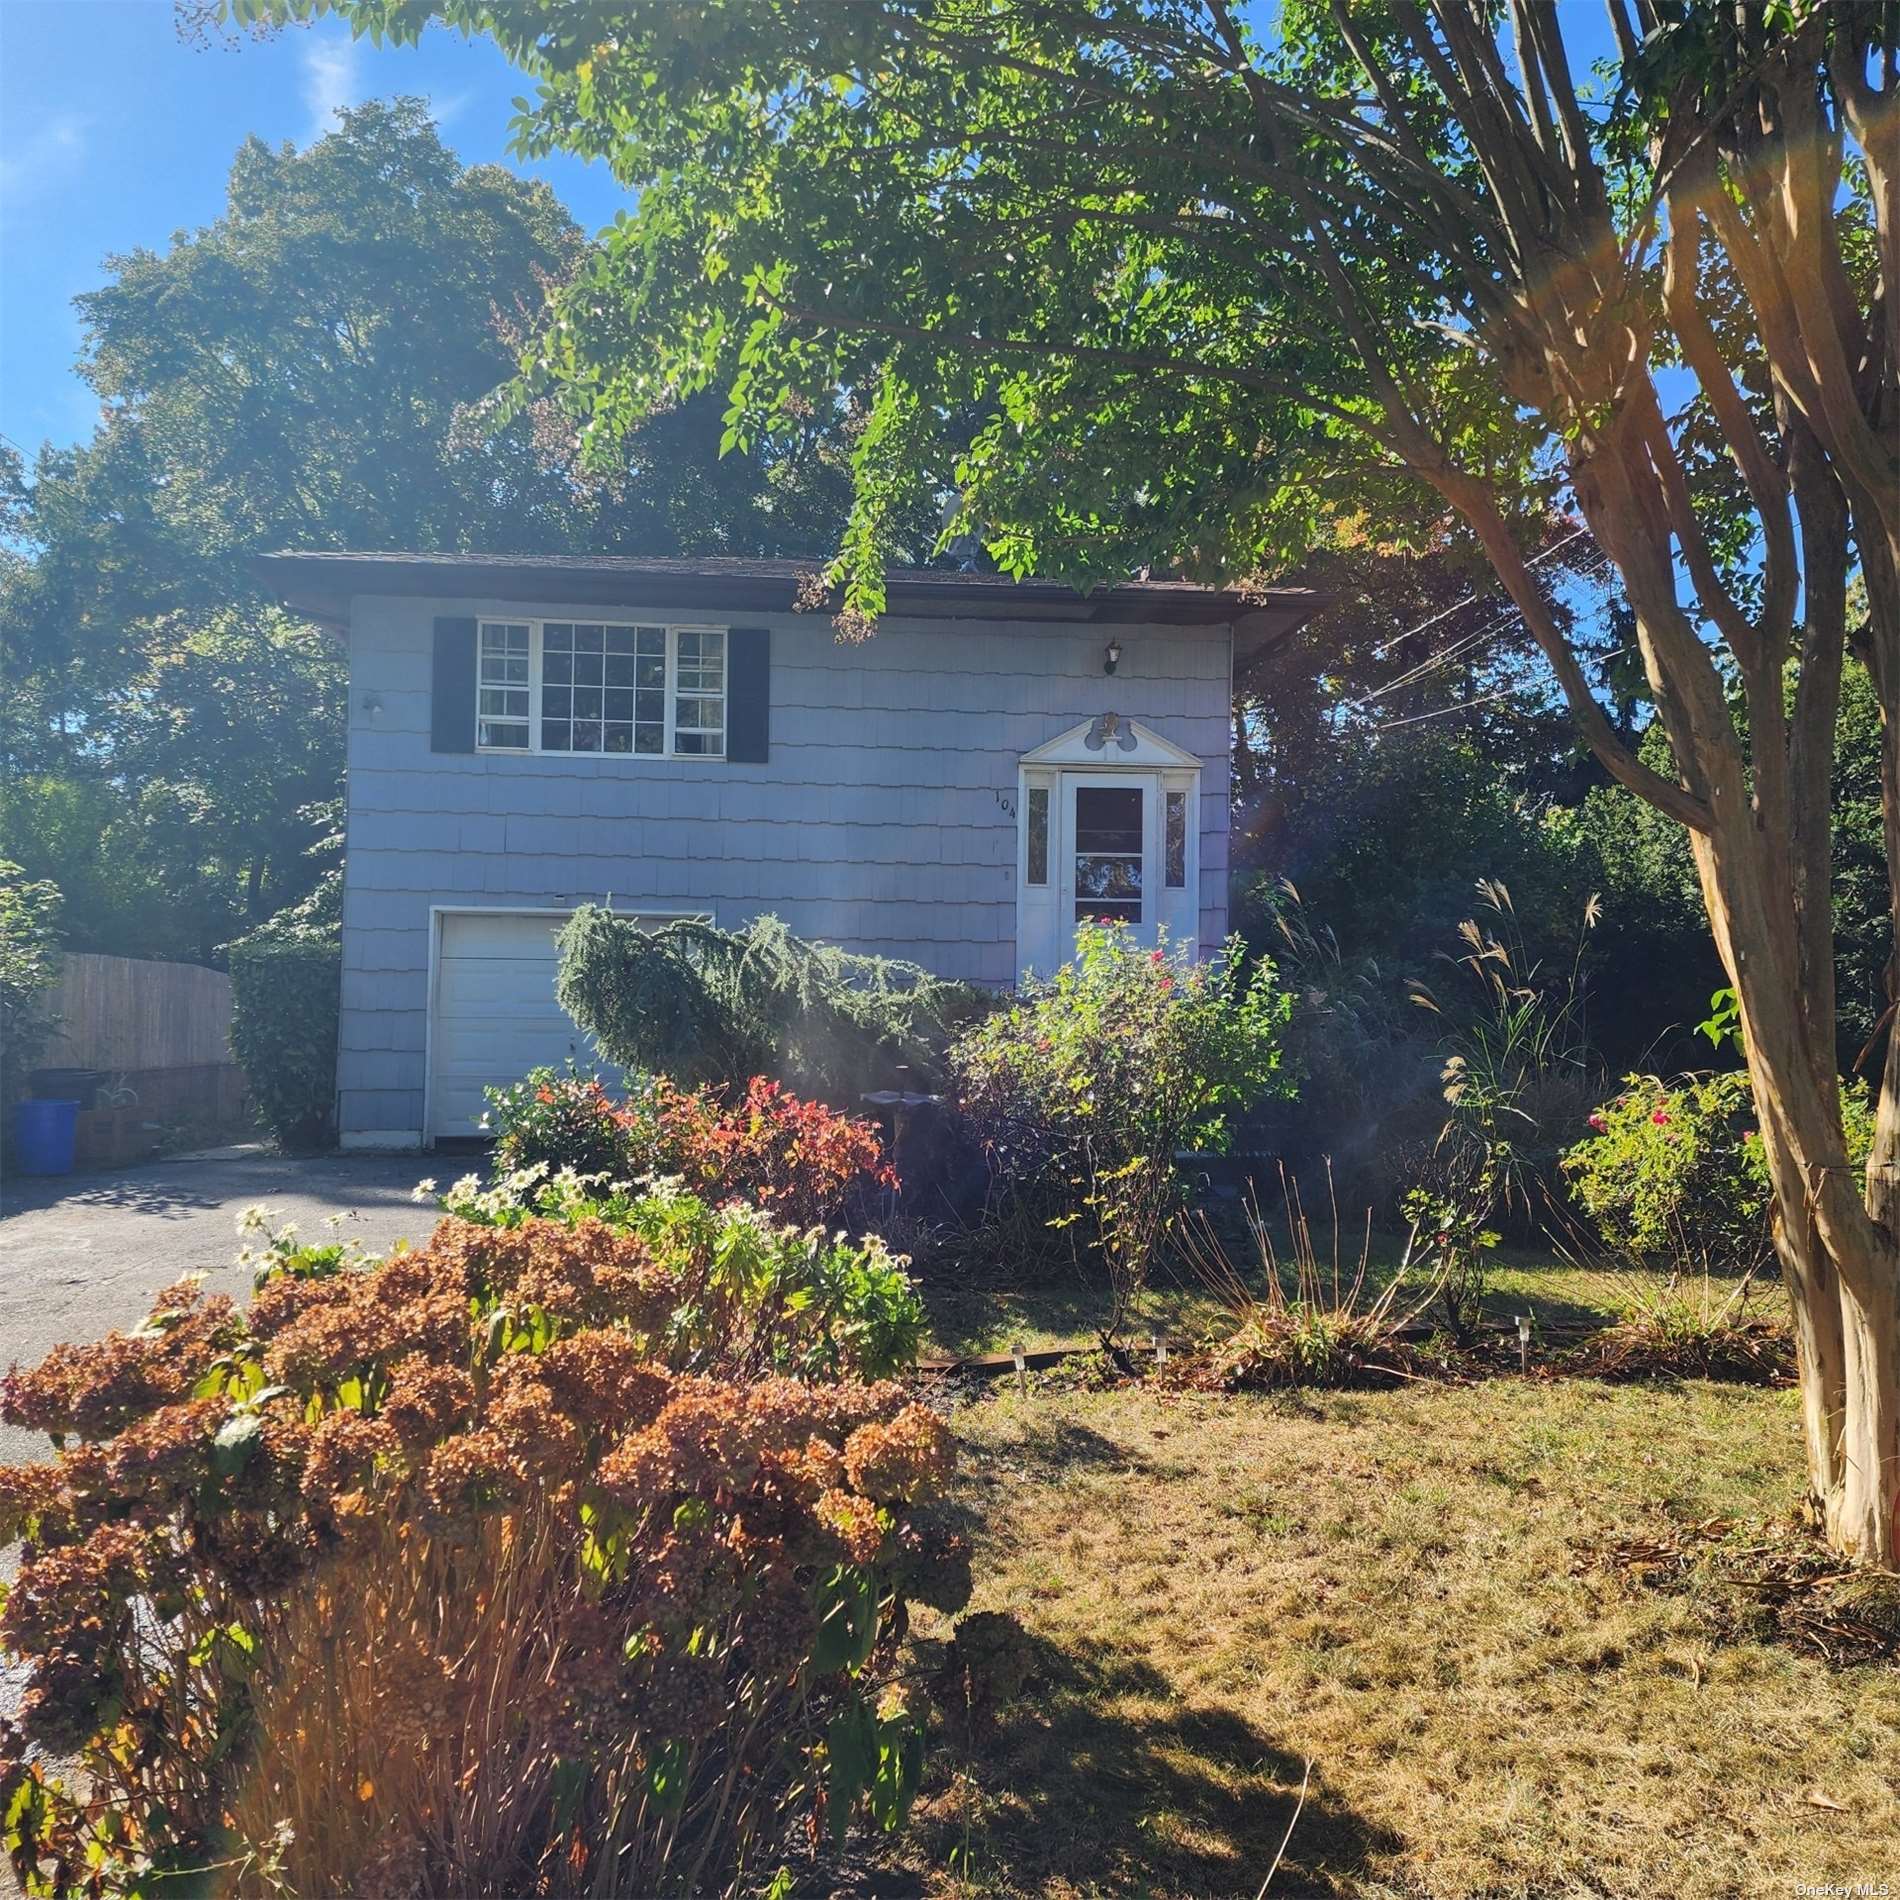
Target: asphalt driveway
(82,1253)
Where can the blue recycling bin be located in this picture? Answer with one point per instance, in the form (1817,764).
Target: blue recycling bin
(43,1135)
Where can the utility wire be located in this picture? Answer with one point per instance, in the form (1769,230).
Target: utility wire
(1434,662)
(1465,705)
(1536,560)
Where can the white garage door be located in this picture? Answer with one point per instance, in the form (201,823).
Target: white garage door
(495,1013)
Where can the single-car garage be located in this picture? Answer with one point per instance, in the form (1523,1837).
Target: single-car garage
(493,1012)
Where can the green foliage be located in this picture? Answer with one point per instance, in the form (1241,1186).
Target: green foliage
(1341,824)
(29,966)
(87,835)
(1863,914)
(312,368)
(746,1291)
(560,1120)
(705,1005)
(1667,1173)
(283,1029)
(1517,1065)
(1012,303)
(1723,1024)
(1655,966)
(1085,1089)
(289,375)
(1450,1218)
(316,916)
(1674,1172)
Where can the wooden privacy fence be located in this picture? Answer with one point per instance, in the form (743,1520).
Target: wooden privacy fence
(124,1014)
(160,1033)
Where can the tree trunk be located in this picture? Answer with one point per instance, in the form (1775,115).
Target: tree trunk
(1837,1235)
(1841,1265)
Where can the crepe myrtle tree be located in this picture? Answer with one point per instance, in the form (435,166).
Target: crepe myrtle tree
(1140,285)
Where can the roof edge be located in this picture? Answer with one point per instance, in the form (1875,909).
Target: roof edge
(321,584)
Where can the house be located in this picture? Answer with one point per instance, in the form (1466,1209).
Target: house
(672,738)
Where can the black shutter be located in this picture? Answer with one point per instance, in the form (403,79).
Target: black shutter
(452,702)
(748,694)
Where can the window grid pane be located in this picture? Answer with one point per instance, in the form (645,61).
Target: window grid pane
(602,688)
(502,700)
(1176,879)
(699,692)
(1108,854)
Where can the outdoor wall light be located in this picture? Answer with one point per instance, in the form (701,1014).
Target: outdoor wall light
(373,704)
(1111,656)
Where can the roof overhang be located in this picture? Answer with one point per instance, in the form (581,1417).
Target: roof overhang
(322,585)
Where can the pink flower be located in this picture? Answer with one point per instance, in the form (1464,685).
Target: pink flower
(1598,1123)
(1748,1134)
(1659,1118)
(1155,956)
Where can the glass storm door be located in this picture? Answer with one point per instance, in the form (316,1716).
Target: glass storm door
(1107,854)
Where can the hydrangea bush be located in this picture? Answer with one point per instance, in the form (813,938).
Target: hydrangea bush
(506,1564)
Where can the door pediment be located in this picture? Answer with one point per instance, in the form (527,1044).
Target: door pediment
(1108,741)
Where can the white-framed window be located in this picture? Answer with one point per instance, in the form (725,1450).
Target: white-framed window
(505,699)
(632,687)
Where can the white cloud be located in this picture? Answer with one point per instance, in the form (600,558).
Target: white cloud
(332,79)
(54,149)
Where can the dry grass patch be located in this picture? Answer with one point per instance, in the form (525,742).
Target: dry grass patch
(1217,1589)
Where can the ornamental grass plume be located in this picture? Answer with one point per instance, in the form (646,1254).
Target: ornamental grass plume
(465,1571)
(1303,1319)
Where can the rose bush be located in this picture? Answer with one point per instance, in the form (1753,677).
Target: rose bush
(501,1565)
(1673,1171)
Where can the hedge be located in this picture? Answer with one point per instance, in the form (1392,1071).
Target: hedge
(283,1028)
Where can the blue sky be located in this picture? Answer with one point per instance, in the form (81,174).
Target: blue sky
(115,134)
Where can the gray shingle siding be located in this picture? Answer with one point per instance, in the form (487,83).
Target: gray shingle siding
(878,822)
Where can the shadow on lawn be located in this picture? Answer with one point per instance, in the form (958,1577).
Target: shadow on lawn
(1045,1449)
(1098,1779)
(967,1316)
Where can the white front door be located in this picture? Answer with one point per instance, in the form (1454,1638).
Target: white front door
(1108,826)
(1107,854)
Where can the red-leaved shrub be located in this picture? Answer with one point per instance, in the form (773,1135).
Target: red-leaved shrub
(797,1159)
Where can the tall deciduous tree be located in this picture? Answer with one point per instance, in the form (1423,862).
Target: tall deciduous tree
(1206,289)
(312,369)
